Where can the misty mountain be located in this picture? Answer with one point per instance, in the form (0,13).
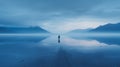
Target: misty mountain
(22,30)
(103,28)
(107,28)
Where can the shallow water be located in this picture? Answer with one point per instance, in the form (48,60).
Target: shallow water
(72,51)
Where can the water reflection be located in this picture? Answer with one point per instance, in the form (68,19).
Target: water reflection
(113,40)
(62,58)
(22,51)
(108,40)
(94,51)
(22,39)
(37,51)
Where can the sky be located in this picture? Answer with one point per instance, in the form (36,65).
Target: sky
(59,16)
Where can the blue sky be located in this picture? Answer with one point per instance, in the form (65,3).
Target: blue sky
(59,15)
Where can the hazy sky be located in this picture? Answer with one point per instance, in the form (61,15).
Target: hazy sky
(59,15)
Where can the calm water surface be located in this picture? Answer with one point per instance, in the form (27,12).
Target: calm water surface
(72,51)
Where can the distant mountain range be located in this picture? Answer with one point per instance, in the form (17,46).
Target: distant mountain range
(104,28)
(22,30)
(107,28)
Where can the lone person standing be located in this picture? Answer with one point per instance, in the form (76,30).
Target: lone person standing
(58,38)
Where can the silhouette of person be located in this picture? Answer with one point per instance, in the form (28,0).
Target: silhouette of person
(58,38)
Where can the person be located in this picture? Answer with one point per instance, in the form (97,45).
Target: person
(58,38)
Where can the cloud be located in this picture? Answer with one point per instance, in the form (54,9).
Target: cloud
(109,10)
(59,15)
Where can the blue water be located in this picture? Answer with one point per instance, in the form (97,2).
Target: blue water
(72,51)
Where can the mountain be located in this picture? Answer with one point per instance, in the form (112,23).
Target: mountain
(107,28)
(103,28)
(22,30)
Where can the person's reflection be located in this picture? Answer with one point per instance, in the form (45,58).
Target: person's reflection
(58,38)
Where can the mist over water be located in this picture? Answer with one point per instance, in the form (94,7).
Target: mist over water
(59,33)
(100,50)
